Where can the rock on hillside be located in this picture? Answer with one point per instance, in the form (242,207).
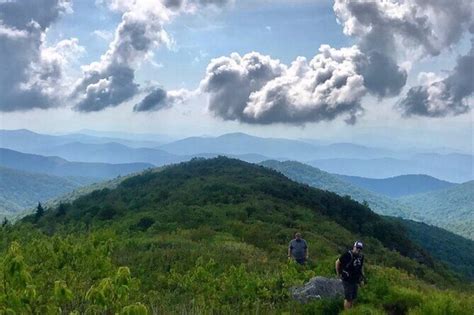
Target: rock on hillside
(318,288)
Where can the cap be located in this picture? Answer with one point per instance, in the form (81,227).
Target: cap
(358,244)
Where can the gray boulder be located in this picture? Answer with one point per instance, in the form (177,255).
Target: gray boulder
(318,288)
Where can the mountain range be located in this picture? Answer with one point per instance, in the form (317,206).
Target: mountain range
(451,208)
(399,186)
(340,158)
(60,167)
(453,167)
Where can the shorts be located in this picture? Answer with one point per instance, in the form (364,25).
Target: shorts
(350,290)
(301,261)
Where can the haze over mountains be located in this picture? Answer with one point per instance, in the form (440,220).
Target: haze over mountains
(60,167)
(340,158)
(99,157)
(400,185)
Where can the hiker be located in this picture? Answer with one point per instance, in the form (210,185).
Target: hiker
(350,267)
(298,249)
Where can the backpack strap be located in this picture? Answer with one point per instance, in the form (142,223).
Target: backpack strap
(350,262)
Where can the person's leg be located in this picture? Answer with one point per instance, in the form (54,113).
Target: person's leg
(354,293)
(349,292)
(347,304)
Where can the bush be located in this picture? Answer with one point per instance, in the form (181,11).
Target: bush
(144,223)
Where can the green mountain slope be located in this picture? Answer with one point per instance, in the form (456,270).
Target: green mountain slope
(454,250)
(59,167)
(314,177)
(210,236)
(452,208)
(20,190)
(436,241)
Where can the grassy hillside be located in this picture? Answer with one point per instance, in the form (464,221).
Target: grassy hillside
(452,208)
(210,236)
(20,190)
(399,186)
(436,241)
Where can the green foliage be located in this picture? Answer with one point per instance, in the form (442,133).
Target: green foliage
(454,250)
(451,208)
(315,177)
(39,211)
(20,190)
(207,237)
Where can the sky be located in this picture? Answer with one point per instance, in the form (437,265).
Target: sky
(380,73)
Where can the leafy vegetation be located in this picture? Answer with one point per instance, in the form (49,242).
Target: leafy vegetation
(451,208)
(210,236)
(20,190)
(456,251)
(315,177)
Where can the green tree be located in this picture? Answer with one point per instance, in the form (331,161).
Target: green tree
(39,211)
(61,210)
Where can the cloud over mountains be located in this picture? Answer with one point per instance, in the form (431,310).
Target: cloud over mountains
(421,27)
(333,83)
(438,97)
(258,89)
(111,81)
(251,88)
(31,71)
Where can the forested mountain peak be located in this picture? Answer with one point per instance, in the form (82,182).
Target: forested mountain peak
(211,236)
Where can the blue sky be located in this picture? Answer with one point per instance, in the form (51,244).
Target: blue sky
(281,29)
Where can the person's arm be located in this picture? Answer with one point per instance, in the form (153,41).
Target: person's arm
(306,254)
(289,250)
(341,261)
(362,272)
(338,267)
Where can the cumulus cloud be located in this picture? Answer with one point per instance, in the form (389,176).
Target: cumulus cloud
(230,81)
(388,26)
(387,30)
(29,69)
(382,76)
(333,83)
(159,99)
(257,89)
(111,81)
(437,97)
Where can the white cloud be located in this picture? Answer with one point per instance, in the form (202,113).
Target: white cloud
(257,89)
(31,70)
(111,81)
(104,35)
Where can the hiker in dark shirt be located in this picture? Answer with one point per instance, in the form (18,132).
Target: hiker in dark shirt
(298,249)
(350,267)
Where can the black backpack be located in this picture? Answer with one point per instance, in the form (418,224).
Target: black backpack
(347,271)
